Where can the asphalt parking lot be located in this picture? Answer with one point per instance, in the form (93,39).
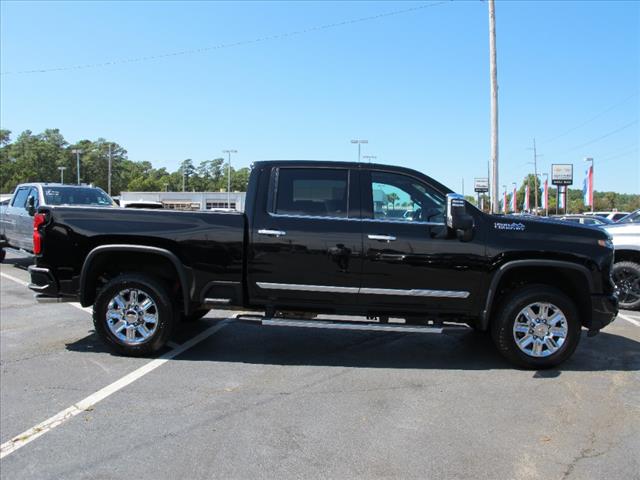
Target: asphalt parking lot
(236,400)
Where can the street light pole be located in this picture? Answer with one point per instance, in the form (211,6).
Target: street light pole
(77,152)
(62,169)
(229,152)
(109,174)
(359,142)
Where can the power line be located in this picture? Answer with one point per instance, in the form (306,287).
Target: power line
(230,45)
(597,139)
(595,117)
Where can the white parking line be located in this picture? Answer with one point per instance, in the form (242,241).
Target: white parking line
(25,284)
(17,280)
(58,419)
(629,319)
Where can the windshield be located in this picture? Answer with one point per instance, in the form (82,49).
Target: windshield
(76,196)
(631,218)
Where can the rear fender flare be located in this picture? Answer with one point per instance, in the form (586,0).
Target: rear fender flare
(85,294)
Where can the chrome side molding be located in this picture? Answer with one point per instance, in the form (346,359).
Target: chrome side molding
(365,290)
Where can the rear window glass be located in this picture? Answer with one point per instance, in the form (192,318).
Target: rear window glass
(312,192)
(76,196)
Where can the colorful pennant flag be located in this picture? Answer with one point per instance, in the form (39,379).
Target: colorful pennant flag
(587,187)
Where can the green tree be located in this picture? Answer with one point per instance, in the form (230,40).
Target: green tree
(392,198)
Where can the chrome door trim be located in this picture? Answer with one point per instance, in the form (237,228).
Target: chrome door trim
(365,290)
(272,233)
(306,288)
(415,292)
(381,238)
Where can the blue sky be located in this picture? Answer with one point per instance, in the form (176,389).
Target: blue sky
(415,84)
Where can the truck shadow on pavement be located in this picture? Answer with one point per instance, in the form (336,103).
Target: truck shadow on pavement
(459,350)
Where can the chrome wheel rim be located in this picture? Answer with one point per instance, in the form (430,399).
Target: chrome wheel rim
(540,329)
(627,285)
(132,316)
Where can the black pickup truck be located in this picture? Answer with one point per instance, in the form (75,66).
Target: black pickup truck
(332,238)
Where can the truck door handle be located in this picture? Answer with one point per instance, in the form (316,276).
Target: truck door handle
(272,233)
(382,238)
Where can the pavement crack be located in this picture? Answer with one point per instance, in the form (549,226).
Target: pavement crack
(587,452)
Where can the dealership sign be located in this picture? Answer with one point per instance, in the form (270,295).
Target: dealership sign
(481,185)
(562,174)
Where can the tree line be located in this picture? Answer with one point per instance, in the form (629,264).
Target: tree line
(37,158)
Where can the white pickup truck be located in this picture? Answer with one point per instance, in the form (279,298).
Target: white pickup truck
(626,269)
(16,217)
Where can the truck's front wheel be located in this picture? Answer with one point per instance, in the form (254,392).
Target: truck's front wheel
(536,327)
(133,314)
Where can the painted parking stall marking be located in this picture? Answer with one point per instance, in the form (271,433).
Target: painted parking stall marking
(629,319)
(58,419)
(26,284)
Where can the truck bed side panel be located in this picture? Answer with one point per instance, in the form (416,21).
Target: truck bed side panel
(210,245)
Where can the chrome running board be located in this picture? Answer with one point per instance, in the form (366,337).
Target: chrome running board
(341,325)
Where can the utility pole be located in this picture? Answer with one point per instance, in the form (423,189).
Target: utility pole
(463,186)
(77,152)
(62,169)
(369,157)
(109,174)
(359,142)
(493,72)
(535,172)
(229,152)
(184,176)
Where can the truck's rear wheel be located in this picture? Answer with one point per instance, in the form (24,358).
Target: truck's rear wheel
(133,314)
(626,276)
(537,327)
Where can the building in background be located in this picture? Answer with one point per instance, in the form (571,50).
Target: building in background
(186,200)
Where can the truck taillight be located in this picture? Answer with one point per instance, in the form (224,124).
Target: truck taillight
(38,220)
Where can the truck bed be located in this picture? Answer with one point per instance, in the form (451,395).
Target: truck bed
(209,245)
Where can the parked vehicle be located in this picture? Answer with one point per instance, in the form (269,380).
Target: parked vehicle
(633,217)
(16,222)
(613,215)
(142,204)
(626,269)
(313,240)
(584,219)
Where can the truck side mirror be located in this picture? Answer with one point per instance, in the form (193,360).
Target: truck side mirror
(31,205)
(458,220)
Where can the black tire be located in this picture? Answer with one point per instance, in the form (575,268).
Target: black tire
(3,253)
(194,316)
(163,309)
(502,327)
(626,276)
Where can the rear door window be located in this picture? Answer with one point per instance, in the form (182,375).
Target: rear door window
(314,192)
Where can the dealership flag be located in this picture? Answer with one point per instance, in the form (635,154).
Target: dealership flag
(545,195)
(514,199)
(587,187)
(526,198)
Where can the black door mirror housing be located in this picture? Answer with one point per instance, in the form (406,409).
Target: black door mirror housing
(31,205)
(458,220)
